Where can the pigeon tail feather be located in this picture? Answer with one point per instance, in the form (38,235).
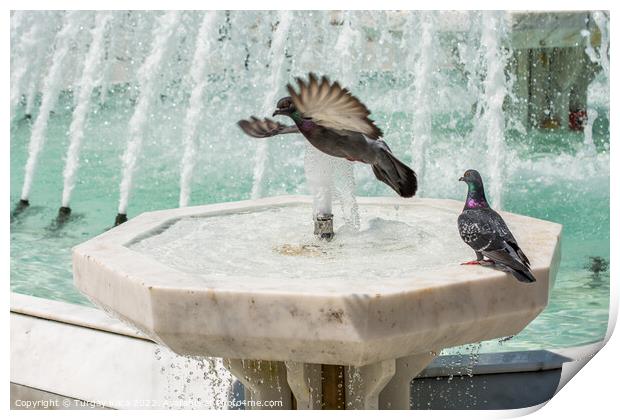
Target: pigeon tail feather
(507,261)
(396,174)
(524,276)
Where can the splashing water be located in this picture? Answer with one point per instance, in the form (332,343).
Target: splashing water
(561,183)
(111,44)
(588,141)
(602,22)
(599,57)
(344,192)
(492,121)
(87,83)
(192,118)
(343,177)
(38,54)
(51,89)
(391,243)
(274,82)
(193,383)
(319,169)
(423,90)
(327,177)
(35,39)
(147,75)
(30,46)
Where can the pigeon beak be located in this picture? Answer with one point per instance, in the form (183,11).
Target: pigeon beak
(276,112)
(461,179)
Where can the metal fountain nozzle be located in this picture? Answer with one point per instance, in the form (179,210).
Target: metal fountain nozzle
(120,219)
(324,226)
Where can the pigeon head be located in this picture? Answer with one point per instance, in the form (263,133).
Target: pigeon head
(285,107)
(475,189)
(472,178)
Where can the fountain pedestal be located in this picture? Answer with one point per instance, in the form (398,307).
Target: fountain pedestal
(309,334)
(311,386)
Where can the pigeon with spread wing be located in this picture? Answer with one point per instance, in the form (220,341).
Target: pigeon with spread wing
(336,122)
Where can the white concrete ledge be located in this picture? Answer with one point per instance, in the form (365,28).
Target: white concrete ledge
(81,353)
(78,315)
(40,360)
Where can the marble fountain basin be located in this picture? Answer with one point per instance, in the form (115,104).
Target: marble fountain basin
(248,281)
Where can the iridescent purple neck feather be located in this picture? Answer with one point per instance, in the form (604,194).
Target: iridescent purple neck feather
(475,196)
(304,124)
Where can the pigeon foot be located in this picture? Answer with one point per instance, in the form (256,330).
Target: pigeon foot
(479,262)
(475,262)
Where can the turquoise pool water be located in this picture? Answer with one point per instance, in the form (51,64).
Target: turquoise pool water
(547,175)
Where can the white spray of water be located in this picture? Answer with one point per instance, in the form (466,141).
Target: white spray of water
(192,118)
(51,89)
(276,61)
(328,177)
(108,61)
(602,21)
(29,52)
(41,54)
(342,177)
(588,141)
(162,34)
(87,83)
(20,56)
(495,84)
(347,38)
(319,169)
(37,65)
(19,20)
(598,57)
(423,93)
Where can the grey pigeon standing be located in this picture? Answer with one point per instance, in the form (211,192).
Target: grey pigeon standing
(336,123)
(483,229)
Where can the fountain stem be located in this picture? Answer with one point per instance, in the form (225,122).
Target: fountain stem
(333,387)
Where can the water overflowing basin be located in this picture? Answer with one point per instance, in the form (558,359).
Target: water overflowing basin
(171,274)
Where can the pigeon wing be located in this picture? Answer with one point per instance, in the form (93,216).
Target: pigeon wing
(255,127)
(502,229)
(474,231)
(333,107)
(507,258)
